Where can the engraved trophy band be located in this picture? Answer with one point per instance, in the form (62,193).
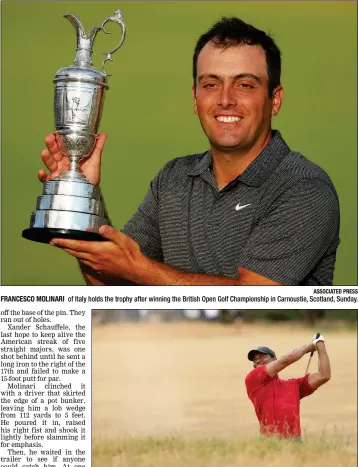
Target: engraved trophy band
(70,206)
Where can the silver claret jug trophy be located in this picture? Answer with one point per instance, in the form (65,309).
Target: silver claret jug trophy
(70,206)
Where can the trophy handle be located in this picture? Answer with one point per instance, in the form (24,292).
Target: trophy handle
(116,18)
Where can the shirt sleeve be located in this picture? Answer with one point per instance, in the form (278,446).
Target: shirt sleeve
(143,227)
(256,379)
(293,235)
(303,386)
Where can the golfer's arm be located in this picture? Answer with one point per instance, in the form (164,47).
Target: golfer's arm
(315,380)
(293,356)
(151,272)
(146,271)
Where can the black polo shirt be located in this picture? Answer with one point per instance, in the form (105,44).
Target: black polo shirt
(279,218)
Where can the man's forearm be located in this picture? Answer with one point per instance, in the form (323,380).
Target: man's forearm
(151,272)
(324,366)
(121,262)
(284,361)
(295,354)
(91,278)
(161,274)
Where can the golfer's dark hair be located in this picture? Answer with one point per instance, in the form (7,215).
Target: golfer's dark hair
(233,31)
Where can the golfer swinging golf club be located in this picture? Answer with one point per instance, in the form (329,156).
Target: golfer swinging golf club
(277,401)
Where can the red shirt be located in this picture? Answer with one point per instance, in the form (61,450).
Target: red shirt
(277,401)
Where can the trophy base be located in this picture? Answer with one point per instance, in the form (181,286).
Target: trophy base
(67,209)
(45,235)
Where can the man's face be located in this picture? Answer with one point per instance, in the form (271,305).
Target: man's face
(231,97)
(261,359)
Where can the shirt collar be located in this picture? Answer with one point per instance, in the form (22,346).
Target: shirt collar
(260,168)
(204,164)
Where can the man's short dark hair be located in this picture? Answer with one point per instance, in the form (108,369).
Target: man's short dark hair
(233,31)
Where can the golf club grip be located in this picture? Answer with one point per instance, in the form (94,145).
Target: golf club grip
(316,337)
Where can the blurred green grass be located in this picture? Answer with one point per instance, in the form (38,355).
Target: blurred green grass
(176,451)
(148,110)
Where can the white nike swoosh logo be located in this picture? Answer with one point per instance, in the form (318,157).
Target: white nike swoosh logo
(238,207)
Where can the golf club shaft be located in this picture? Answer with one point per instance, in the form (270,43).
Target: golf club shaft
(308,364)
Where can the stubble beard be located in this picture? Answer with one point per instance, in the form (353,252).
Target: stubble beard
(239,146)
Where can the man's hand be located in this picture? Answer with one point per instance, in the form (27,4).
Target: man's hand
(119,257)
(56,162)
(311,347)
(316,339)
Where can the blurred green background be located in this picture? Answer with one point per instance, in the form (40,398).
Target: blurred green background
(148,110)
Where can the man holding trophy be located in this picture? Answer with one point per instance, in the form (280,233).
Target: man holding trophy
(249,211)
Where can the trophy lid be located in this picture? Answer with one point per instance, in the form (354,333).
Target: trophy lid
(82,68)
